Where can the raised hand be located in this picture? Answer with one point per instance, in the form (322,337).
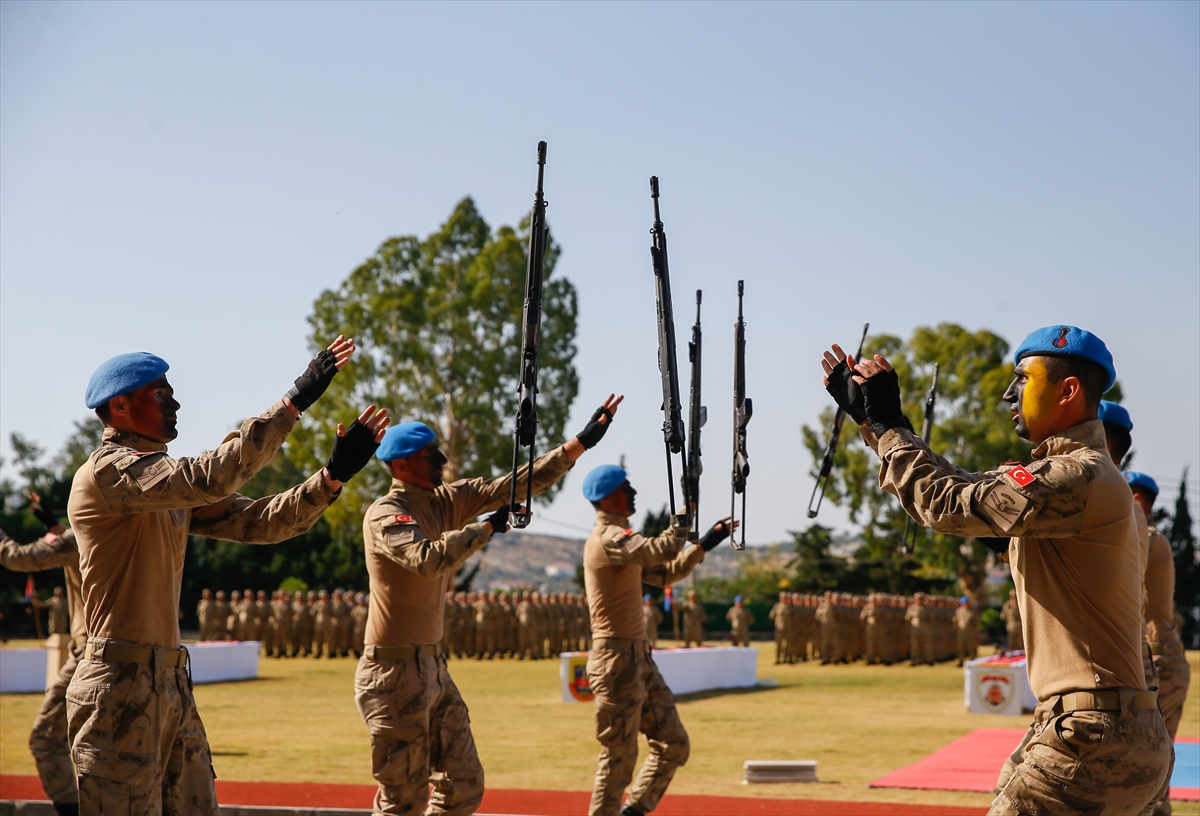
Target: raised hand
(597,426)
(320,373)
(354,446)
(839,381)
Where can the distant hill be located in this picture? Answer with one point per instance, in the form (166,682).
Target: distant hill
(528,560)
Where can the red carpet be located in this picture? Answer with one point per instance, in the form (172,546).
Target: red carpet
(973,762)
(529,802)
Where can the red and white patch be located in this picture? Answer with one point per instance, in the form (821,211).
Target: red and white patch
(628,531)
(403,519)
(1021,476)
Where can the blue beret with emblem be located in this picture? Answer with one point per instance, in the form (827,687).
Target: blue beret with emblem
(1136,479)
(122,374)
(1115,414)
(737,599)
(1068,341)
(404,440)
(646,597)
(603,482)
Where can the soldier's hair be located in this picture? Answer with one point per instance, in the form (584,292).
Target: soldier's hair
(1119,438)
(1092,376)
(1142,491)
(104,412)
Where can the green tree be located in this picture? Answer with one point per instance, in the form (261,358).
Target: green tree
(816,568)
(972,428)
(1187,576)
(438,322)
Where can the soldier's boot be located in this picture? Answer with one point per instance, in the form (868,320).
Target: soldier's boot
(66,808)
(631,811)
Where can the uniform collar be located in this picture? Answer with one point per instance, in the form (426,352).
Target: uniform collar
(1088,434)
(113,436)
(604,517)
(413,496)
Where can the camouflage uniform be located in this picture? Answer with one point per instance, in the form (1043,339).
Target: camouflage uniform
(48,741)
(630,694)
(415,539)
(1100,744)
(1010,613)
(740,619)
(136,739)
(781,615)
(694,618)
(652,618)
(206,614)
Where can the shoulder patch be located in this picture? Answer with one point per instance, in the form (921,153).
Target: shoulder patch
(148,468)
(628,531)
(400,518)
(1003,506)
(1021,476)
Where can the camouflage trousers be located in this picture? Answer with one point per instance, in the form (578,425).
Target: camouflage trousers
(420,735)
(693,634)
(48,742)
(741,637)
(631,697)
(137,740)
(1089,762)
(1174,675)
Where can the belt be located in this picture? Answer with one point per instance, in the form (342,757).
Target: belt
(1171,647)
(620,644)
(144,655)
(1106,700)
(402,652)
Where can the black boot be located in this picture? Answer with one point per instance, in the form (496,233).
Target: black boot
(631,811)
(66,808)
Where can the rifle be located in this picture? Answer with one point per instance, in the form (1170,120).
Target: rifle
(818,493)
(673,433)
(697,416)
(743,409)
(525,429)
(926,430)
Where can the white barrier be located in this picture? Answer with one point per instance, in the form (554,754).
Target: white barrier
(23,671)
(998,685)
(685,671)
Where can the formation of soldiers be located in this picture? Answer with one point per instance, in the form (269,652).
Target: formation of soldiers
(879,628)
(522,625)
(318,623)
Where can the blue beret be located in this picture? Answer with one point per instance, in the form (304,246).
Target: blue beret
(603,482)
(646,597)
(963,599)
(1114,413)
(738,598)
(1137,479)
(404,440)
(122,374)
(1068,341)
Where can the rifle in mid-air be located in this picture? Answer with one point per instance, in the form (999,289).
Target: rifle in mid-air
(673,433)
(697,416)
(926,430)
(743,409)
(525,431)
(818,494)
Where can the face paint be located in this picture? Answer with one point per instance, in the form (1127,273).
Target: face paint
(1034,399)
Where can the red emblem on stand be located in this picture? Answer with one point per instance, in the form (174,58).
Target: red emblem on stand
(1022,476)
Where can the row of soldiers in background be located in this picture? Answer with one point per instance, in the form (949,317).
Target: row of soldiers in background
(879,628)
(533,625)
(291,624)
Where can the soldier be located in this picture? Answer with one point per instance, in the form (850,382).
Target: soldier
(297,633)
(630,694)
(652,618)
(694,618)
(137,741)
(415,538)
(281,621)
(247,617)
(359,631)
(739,618)
(968,630)
(781,615)
(222,613)
(48,740)
(1010,613)
(320,622)
(333,624)
(206,613)
(1100,743)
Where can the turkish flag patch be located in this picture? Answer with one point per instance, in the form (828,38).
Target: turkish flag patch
(1021,476)
(408,519)
(628,531)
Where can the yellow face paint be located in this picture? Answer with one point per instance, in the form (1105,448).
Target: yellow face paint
(1039,400)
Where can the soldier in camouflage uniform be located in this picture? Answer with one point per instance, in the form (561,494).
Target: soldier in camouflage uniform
(652,618)
(967,626)
(781,616)
(694,618)
(1099,744)
(358,632)
(1010,613)
(415,538)
(739,618)
(206,613)
(630,694)
(48,741)
(137,741)
(320,623)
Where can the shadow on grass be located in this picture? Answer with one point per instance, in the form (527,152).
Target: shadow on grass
(729,692)
(229,753)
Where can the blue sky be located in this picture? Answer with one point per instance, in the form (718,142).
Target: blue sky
(186,178)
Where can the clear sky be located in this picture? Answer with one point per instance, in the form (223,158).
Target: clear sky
(186,178)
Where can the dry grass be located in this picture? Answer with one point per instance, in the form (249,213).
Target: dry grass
(299,723)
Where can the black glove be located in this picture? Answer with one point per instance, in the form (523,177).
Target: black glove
(594,431)
(881,396)
(846,392)
(43,515)
(351,452)
(499,519)
(713,537)
(312,383)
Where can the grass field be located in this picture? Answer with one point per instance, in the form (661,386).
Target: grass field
(298,723)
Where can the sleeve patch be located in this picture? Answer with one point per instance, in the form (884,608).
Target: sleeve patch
(1021,476)
(403,519)
(148,471)
(1003,506)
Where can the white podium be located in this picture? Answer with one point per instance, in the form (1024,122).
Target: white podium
(23,671)
(220,661)
(998,685)
(685,671)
